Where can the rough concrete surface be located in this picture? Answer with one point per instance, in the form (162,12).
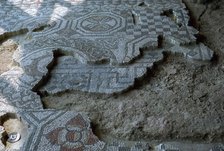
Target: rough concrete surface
(137,69)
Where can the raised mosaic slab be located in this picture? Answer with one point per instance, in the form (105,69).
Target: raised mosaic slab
(71,74)
(49,130)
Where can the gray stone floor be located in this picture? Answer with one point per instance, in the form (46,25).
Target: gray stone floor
(99,46)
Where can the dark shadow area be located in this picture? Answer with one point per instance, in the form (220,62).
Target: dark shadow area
(9,35)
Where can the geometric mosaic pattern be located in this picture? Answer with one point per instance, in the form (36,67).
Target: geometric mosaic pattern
(72,74)
(105,39)
(99,46)
(16,89)
(50,130)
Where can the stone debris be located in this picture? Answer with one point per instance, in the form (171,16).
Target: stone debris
(99,46)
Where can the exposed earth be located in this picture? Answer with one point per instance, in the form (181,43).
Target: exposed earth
(177,100)
(6,51)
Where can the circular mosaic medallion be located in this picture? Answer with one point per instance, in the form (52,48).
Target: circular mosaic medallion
(100,23)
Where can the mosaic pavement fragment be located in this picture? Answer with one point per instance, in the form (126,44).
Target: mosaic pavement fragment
(70,74)
(16,89)
(55,130)
(100,34)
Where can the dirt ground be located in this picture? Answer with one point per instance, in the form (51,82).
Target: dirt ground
(178,99)
(6,51)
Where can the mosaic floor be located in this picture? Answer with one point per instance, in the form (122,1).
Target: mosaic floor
(100,46)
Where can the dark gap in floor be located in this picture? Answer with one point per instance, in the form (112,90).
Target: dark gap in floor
(96,130)
(160,41)
(56,54)
(8,35)
(143,4)
(193,21)
(40,28)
